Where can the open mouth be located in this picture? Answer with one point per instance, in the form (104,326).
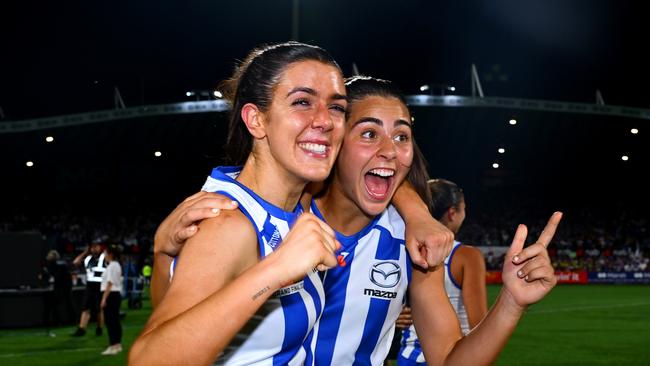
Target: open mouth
(315,149)
(378,182)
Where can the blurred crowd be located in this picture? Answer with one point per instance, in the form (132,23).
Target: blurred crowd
(584,240)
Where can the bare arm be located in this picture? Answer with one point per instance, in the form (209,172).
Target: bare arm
(528,277)
(427,240)
(218,285)
(473,291)
(78,259)
(181,224)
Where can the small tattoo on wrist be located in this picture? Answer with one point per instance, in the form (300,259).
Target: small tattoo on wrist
(261,292)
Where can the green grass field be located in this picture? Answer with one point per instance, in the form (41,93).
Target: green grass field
(574,325)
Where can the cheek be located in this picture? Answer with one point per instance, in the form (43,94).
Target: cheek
(405,157)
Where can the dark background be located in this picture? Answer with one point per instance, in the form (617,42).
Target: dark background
(63,58)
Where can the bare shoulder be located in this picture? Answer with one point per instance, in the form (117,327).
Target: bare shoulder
(221,250)
(470,255)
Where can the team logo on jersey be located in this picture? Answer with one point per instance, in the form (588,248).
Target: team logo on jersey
(385,274)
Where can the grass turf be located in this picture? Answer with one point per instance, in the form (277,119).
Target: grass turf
(574,325)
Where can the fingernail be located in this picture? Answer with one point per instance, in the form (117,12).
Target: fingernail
(515,259)
(216,211)
(234,203)
(193,228)
(526,278)
(520,273)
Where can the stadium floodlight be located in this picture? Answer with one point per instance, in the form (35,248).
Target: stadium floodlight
(424,88)
(452,88)
(495,165)
(501,150)
(49,139)
(157,154)
(189,93)
(513,121)
(634,131)
(412,119)
(625,158)
(217,94)
(29,163)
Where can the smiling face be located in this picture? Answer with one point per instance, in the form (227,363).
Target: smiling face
(305,122)
(376,154)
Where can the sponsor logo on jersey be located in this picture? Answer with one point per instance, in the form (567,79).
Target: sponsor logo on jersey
(380,293)
(385,274)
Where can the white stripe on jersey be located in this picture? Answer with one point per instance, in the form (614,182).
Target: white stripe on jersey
(275,334)
(364,298)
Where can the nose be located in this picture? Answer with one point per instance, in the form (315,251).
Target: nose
(387,149)
(322,118)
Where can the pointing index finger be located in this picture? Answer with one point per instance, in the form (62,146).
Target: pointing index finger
(548,232)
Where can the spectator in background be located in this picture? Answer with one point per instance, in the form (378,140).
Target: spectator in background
(93,262)
(111,288)
(58,302)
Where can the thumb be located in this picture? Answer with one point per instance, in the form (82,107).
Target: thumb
(518,241)
(416,256)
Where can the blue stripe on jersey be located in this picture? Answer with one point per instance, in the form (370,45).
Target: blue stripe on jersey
(328,331)
(296,320)
(386,250)
(448,265)
(311,289)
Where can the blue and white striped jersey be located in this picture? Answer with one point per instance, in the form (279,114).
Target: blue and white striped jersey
(411,352)
(363,298)
(277,332)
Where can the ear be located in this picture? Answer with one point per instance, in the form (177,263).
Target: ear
(254,120)
(451,214)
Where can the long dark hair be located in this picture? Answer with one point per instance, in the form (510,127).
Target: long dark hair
(360,87)
(444,195)
(253,82)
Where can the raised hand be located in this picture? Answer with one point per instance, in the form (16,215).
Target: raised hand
(527,273)
(181,224)
(427,241)
(310,245)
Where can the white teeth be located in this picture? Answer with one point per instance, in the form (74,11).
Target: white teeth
(383,172)
(315,148)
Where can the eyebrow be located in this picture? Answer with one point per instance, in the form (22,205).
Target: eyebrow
(379,122)
(310,91)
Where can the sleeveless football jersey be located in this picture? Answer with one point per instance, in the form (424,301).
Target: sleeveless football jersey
(364,297)
(411,352)
(276,333)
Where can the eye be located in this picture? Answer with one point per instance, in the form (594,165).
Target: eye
(402,137)
(338,108)
(368,134)
(301,102)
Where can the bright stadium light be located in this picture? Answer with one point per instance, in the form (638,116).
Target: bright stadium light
(412,119)
(157,154)
(424,88)
(217,94)
(513,121)
(452,88)
(501,150)
(495,165)
(189,93)
(634,131)
(625,158)
(49,139)
(29,164)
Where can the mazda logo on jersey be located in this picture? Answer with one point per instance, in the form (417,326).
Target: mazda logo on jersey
(385,274)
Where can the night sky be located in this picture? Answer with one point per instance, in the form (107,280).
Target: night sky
(66,57)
